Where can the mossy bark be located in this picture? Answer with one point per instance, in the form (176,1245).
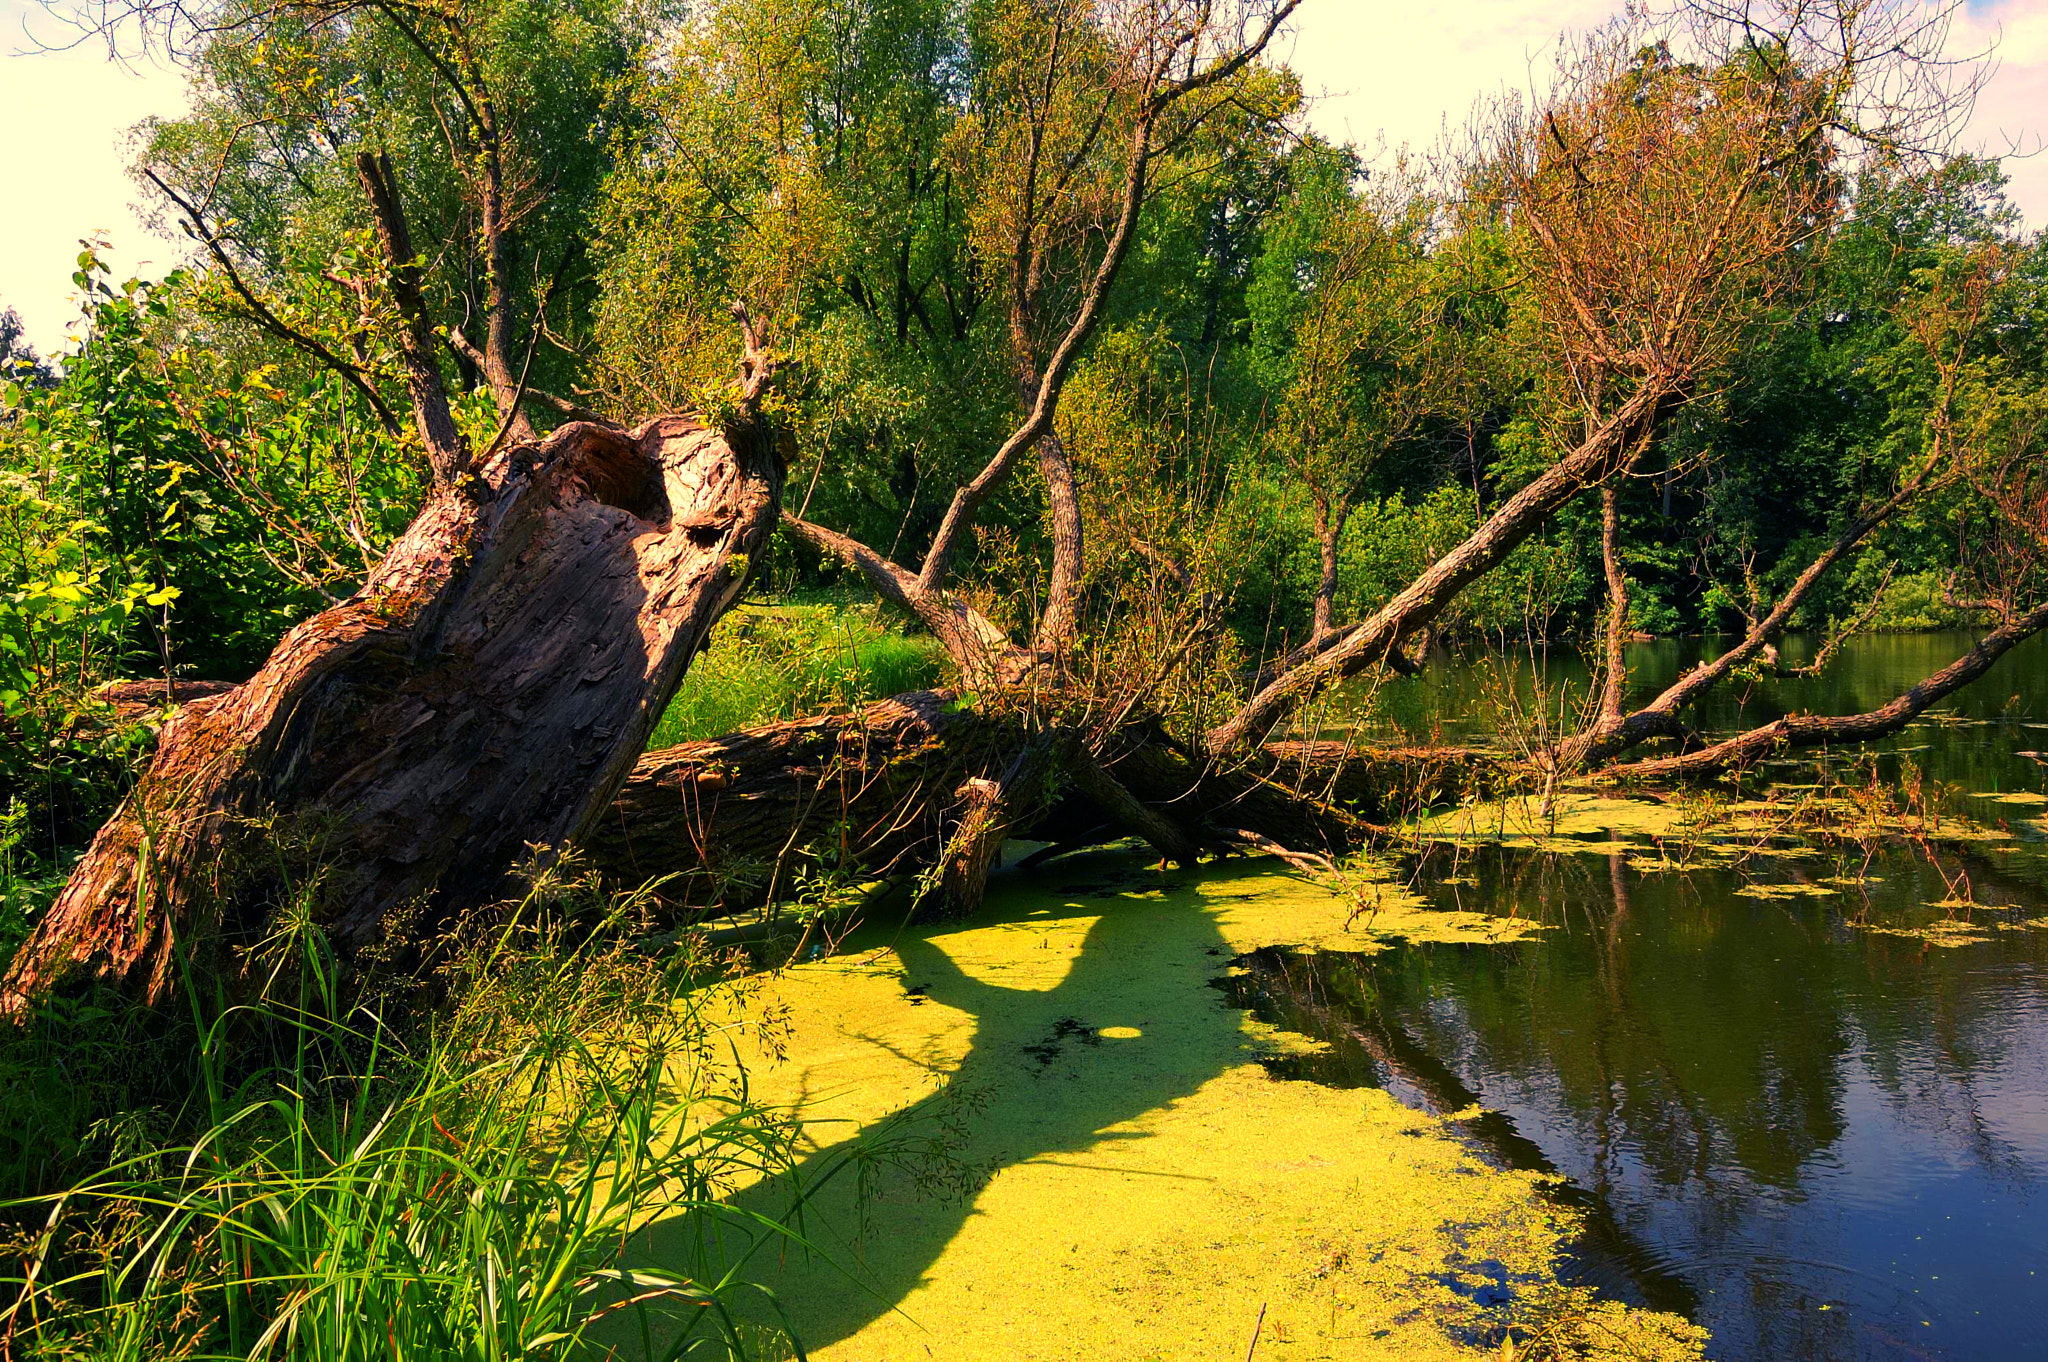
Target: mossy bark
(919,781)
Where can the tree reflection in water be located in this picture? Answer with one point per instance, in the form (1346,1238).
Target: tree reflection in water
(1834,1140)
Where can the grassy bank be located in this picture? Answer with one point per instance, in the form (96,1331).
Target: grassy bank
(336,1184)
(794,657)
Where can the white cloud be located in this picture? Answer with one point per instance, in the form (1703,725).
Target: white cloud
(2013,109)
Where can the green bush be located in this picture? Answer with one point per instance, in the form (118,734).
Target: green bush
(68,620)
(27,884)
(1913,603)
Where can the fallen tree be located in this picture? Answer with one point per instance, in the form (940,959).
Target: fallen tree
(887,788)
(490,687)
(493,684)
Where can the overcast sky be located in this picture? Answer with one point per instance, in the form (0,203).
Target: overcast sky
(1380,70)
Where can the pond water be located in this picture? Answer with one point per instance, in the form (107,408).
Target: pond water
(1787,1116)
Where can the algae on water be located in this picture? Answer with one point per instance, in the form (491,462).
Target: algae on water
(1089,1162)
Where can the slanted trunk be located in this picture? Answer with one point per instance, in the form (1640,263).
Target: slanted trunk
(1607,450)
(1796,731)
(489,688)
(916,781)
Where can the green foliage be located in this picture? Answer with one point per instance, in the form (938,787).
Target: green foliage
(794,659)
(19,361)
(68,620)
(244,497)
(322,84)
(26,888)
(819,181)
(1912,602)
(163,512)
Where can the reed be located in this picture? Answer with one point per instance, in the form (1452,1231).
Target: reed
(470,1192)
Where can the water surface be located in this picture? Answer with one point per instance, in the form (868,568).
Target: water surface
(1818,1137)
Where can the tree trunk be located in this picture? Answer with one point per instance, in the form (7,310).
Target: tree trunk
(1329,536)
(1820,730)
(1608,449)
(865,793)
(1614,732)
(891,787)
(489,688)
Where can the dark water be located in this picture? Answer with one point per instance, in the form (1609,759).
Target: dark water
(1819,1140)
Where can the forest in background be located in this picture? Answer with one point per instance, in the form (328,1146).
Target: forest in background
(1144,413)
(1318,371)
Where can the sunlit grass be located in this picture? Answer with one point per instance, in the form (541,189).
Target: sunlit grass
(465,1189)
(769,663)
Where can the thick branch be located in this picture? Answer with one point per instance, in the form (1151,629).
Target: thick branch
(1037,426)
(507,386)
(445,448)
(1379,638)
(983,652)
(968,500)
(1659,718)
(1810,730)
(1061,618)
(1330,521)
(1615,685)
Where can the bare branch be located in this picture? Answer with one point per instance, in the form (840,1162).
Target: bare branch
(446,450)
(261,313)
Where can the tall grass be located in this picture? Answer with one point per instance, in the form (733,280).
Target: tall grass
(774,662)
(470,1194)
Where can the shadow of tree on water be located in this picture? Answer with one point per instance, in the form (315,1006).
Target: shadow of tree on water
(1130,1028)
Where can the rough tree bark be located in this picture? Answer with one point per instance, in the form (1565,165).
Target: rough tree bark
(888,788)
(490,687)
(727,817)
